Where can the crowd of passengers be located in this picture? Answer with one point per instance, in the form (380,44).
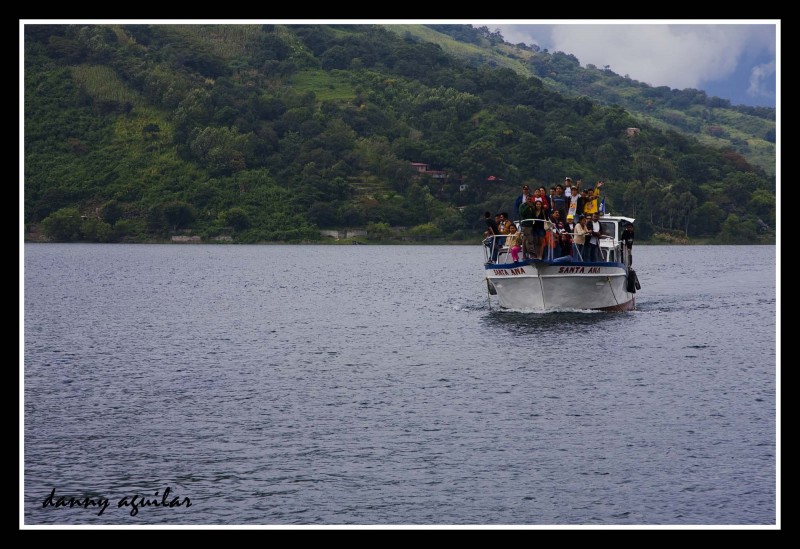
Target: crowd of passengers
(574,232)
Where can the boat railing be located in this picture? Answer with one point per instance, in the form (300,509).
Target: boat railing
(605,251)
(576,253)
(492,245)
(495,251)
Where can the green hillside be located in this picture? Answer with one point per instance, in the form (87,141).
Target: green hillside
(750,131)
(257,133)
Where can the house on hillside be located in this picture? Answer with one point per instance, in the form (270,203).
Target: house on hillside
(422,168)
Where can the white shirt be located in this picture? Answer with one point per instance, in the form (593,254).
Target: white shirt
(595,229)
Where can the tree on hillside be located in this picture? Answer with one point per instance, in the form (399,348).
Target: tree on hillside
(63,225)
(179,215)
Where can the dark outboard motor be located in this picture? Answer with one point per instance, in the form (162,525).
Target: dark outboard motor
(633,282)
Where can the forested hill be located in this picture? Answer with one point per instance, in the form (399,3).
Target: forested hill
(747,130)
(266,133)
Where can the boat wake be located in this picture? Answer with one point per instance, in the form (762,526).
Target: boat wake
(548,312)
(475,306)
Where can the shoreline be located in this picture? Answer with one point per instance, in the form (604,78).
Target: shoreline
(347,242)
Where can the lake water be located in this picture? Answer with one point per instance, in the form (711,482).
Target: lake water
(377,385)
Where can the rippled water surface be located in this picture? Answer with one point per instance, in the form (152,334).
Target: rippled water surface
(327,385)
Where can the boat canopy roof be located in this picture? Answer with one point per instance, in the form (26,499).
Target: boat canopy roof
(617,218)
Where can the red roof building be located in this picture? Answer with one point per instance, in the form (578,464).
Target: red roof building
(422,168)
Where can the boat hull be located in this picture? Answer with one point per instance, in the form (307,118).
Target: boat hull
(545,286)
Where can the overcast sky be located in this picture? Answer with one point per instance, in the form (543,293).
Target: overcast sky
(735,61)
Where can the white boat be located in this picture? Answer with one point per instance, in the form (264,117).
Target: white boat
(569,282)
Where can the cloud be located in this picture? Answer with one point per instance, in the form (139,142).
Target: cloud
(679,56)
(758,76)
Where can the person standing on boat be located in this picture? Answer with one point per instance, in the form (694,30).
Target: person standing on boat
(559,202)
(572,195)
(503,226)
(504,223)
(539,217)
(521,199)
(627,240)
(526,225)
(580,203)
(579,240)
(557,234)
(492,229)
(594,240)
(566,236)
(590,206)
(542,195)
(569,233)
